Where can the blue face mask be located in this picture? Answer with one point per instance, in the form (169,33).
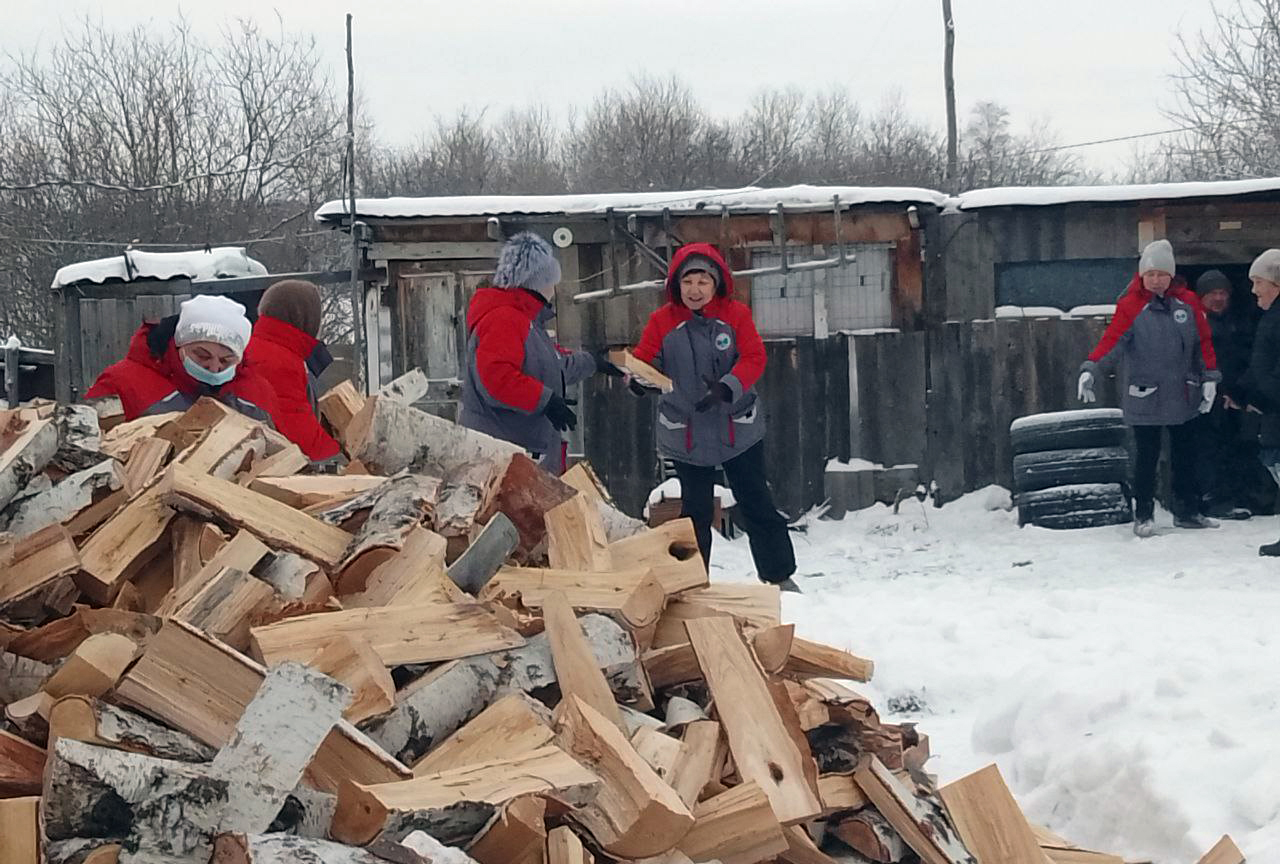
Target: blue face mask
(203,375)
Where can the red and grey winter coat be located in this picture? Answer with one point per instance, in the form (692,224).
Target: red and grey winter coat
(718,343)
(513,368)
(278,351)
(151,380)
(1165,349)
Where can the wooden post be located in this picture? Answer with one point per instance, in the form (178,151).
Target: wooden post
(948,73)
(12,359)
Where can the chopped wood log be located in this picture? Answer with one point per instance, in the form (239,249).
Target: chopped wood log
(293,577)
(91,518)
(765,749)
(438,704)
(398,506)
(680,712)
(58,639)
(1224,851)
(145,461)
(275,740)
(914,757)
(97,722)
(577,673)
(641,370)
(427,633)
(306,812)
(94,667)
(617,525)
(509,728)
(517,836)
(339,405)
(21,766)
(129,598)
(412,576)
(118,441)
(242,552)
(306,490)
(35,576)
(65,500)
(564,847)
(487,553)
(224,607)
(754,607)
(279,525)
(20,830)
(410,387)
(122,545)
(813,660)
(1084,856)
(524,493)
(633,597)
(389,436)
(20,676)
(801,849)
(662,752)
(286,849)
(285,463)
(82,851)
(772,646)
(672,546)
(735,827)
(840,792)
(698,761)
(224,448)
(989,821)
(869,834)
(30,717)
(352,661)
(575,536)
(185,533)
(636,814)
(453,806)
(26,447)
(154,581)
(201,687)
(925,829)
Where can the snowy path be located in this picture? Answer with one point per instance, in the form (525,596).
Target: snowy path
(1128,689)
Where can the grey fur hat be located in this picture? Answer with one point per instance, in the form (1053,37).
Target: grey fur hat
(527,261)
(1212,280)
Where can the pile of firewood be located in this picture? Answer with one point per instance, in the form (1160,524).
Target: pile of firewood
(441,654)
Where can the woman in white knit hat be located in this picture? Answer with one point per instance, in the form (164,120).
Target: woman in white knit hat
(173,362)
(1170,374)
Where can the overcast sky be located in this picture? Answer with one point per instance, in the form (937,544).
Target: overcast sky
(1094,68)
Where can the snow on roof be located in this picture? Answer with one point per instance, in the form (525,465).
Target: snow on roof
(221,262)
(1039,196)
(749,199)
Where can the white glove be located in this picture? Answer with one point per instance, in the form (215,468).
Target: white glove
(1084,390)
(1208,395)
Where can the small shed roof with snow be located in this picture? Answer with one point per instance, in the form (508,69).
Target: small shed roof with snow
(1041,196)
(747,200)
(222,262)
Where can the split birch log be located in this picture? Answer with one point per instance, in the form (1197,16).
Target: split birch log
(813,660)
(21,766)
(696,769)
(81,851)
(242,552)
(289,574)
(636,815)
(339,405)
(617,525)
(564,847)
(870,834)
(123,545)
(58,639)
(408,388)
(20,677)
(145,461)
(308,490)
(275,740)
(223,608)
(517,836)
(64,500)
(396,508)
(20,830)
(989,820)
(924,826)
(735,827)
(353,662)
(26,447)
(390,436)
(441,702)
(94,668)
(97,722)
(285,849)
(633,597)
(753,607)
(511,727)
(646,373)
(486,554)
(576,669)
(35,576)
(453,806)
(575,536)
(524,492)
(119,440)
(414,575)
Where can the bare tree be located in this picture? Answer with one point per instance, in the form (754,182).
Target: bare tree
(773,132)
(992,155)
(835,126)
(530,152)
(899,149)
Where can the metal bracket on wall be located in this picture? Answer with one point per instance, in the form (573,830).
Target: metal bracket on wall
(632,236)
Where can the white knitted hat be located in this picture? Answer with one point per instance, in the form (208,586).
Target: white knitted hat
(1157,256)
(1266,266)
(208,318)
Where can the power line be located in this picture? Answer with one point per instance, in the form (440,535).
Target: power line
(137,244)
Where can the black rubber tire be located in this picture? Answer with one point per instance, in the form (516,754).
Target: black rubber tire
(1032,471)
(1080,506)
(1070,430)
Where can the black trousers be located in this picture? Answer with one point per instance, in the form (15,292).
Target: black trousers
(1182,458)
(766,529)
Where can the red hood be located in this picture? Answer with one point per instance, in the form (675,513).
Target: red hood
(168,364)
(488,298)
(285,335)
(1177,288)
(726,275)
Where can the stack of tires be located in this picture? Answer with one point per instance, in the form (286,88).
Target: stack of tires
(1071,468)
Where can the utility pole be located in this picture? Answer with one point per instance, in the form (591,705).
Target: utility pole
(948,73)
(358,341)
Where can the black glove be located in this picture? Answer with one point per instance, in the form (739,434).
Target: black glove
(717,391)
(560,415)
(641,389)
(604,366)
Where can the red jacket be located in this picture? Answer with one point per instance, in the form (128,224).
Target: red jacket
(278,351)
(147,384)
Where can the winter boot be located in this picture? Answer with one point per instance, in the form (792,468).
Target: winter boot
(1144,527)
(1194,520)
(789,585)
(1270,550)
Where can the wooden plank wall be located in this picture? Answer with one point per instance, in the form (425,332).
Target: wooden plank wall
(107,325)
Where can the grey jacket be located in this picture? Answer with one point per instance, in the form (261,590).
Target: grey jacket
(513,369)
(1164,349)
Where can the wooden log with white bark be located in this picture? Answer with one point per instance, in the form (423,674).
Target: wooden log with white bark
(20,676)
(486,554)
(26,447)
(395,509)
(94,721)
(389,436)
(35,576)
(286,849)
(65,500)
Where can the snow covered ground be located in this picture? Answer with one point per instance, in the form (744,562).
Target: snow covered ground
(1128,689)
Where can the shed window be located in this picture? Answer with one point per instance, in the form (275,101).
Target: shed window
(858,296)
(1064,284)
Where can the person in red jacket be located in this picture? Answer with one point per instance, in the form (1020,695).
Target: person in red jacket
(173,362)
(707,344)
(284,349)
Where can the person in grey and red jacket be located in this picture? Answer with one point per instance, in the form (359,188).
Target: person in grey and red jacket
(707,344)
(1170,375)
(517,377)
